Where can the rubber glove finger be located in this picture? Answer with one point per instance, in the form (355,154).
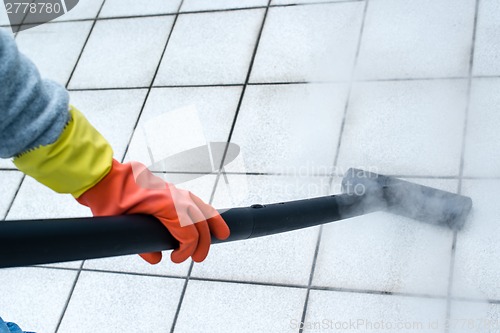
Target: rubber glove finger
(216,223)
(153,257)
(218,227)
(188,240)
(204,239)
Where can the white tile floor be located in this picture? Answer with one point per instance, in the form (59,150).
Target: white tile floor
(417,108)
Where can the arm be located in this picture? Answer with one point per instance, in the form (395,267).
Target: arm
(33,111)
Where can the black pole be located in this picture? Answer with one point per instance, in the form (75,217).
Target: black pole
(24,243)
(31,242)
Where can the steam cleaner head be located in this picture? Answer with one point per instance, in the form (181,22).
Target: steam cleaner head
(411,200)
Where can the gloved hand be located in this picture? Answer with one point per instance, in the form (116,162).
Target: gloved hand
(131,189)
(10,327)
(81,162)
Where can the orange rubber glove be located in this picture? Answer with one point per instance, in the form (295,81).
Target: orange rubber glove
(132,189)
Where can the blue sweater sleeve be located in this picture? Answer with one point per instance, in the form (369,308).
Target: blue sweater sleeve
(33,112)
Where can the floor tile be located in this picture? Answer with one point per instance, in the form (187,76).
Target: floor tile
(474,317)
(210,48)
(10,181)
(54,48)
(122,53)
(84,10)
(405,127)
(7,164)
(476,265)
(482,136)
(34,298)
(176,120)
(114,113)
(122,303)
(308,43)
(272,259)
(408,39)
(198,5)
(304,141)
(289,2)
(36,201)
(4,19)
(135,264)
(232,307)
(113,8)
(386,252)
(486,52)
(349,312)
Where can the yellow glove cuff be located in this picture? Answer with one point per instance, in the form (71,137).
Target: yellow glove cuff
(77,161)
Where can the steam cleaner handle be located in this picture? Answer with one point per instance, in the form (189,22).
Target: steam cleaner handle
(31,242)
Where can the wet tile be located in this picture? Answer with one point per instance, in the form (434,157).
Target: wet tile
(482,137)
(474,317)
(401,38)
(54,48)
(308,43)
(405,127)
(84,10)
(4,19)
(486,52)
(177,120)
(386,252)
(475,270)
(290,128)
(36,201)
(353,312)
(113,113)
(34,298)
(7,164)
(280,258)
(120,303)
(210,48)
(289,2)
(10,181)
(122,53)
(114,8)
(233,307)
(198,5)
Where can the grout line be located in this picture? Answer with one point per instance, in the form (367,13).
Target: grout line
(240,101)
(346,108)
(277,284)
(132,134)
(67,83)
(83,47)
(68,300)
(14,197)
(22,21)
(335,162)
(200,85)
(311,276)
(333,174)
(276,83)
(462,157)
(183,292)
(152,82)
(220,10)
